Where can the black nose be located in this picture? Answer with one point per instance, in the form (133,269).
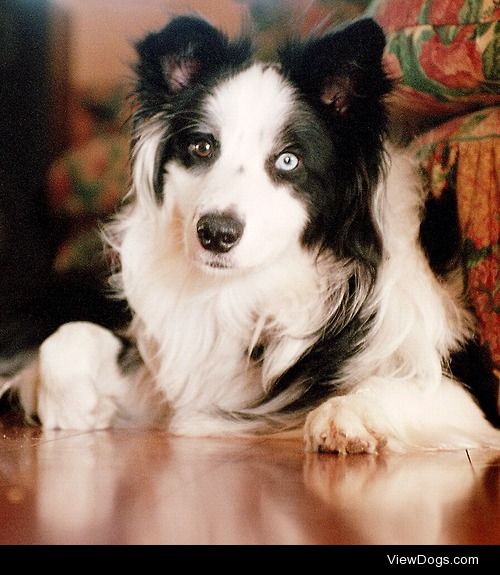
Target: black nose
(219,232)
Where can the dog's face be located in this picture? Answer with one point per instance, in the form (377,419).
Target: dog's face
(244,162)
(230,179)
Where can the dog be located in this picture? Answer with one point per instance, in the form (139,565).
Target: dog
(271,251)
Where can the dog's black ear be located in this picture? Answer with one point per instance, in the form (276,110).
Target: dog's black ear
(341,71)
(187,51)
(341,76)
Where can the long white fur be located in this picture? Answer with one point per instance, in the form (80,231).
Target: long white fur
(196,326)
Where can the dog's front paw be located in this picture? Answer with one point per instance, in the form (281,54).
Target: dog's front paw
(78,375)
(343,425)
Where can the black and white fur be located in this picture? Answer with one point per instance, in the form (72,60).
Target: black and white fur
(270,252)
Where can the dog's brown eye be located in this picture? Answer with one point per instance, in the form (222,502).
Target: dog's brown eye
(202,149)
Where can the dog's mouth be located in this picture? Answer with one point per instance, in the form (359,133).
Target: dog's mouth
(214,263)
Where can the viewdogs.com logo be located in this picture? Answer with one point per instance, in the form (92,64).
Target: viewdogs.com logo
(438,561)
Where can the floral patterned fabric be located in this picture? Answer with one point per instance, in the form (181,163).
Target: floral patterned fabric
(464,155)
(444,57)
(89,181)
(86,184)
(444,53)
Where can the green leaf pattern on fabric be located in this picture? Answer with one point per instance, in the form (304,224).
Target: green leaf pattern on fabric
(446,49)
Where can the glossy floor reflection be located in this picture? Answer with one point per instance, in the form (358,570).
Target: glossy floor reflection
(135,487)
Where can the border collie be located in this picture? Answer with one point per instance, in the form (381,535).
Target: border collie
(271,253)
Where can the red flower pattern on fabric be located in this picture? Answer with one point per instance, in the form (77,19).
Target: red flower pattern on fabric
(398,14)
(445,12)
(455,65)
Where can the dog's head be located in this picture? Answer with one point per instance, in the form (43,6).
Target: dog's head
(245,161)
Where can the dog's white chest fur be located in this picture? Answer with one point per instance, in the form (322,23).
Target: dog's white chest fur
(202,331)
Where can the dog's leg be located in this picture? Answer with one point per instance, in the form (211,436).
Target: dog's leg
(77,382)
(399,415)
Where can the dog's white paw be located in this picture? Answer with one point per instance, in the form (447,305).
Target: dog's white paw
(79,378)
(343,425)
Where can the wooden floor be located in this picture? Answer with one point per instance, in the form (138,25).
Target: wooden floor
(146,487)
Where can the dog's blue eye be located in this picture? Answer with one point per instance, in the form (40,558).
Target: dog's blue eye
(286,162)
